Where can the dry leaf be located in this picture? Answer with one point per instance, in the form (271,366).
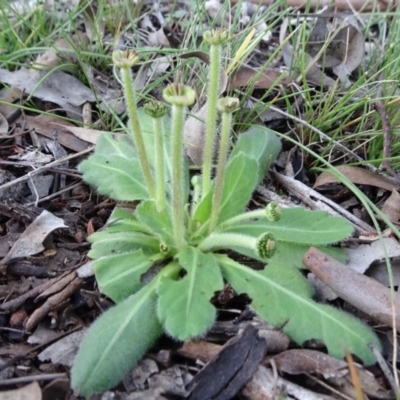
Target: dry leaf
(361,257)
(63,351)
(361,291)
(391,206)
(58,88)
(356,175)
(304,361)
(28,392)
(45,124)
(31,241)
(86,134)
(194,135)
(3,125)
(61,51)
(246,75)
(337,42)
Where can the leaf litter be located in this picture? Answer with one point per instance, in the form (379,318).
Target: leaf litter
(70,301)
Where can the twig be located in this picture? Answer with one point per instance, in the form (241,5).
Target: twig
(31,378)
(44,168)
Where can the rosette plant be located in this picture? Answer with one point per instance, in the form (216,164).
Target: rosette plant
(163,262)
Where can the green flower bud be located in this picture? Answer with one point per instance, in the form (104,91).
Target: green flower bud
(179,95)
(125,58)
(273,212)
(155,109)
(216,36)
(266,245)
(164,248)
(228,104)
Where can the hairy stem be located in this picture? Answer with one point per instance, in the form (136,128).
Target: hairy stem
(159,152)
(221,166)
(213,87)
(136,130)
(178,201)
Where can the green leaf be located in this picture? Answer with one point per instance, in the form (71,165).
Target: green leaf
(282,297)
(109,144)
(123,220)
(107,243)
(239,183)
(116,342)
(292,254)
(259,143)
(298,225)
(184,306)
(158,222)
(119,276)
(115,176)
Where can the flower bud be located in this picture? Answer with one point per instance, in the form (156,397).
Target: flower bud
(216,36)
(179,95)
(266,245)
(125,58)
(155,109)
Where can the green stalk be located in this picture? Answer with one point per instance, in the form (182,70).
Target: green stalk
(221,166)
(125,60)
(179,96)
(178,203)
(264,246)
(215,39)
(159,150)
(156,111)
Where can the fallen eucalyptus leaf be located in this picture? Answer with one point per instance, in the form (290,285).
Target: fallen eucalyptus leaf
(391,206)
(336,41)
(359,290)
(357,175)
(28,392)
(31,241)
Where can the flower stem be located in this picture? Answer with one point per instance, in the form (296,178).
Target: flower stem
(213,88)
(219,180)
(159,150)
(137,137)
(227,106)
(217,241)
(178,202)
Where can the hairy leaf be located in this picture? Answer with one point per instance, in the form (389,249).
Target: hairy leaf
(282,297)
(259,143)
(115,176)
(184,306)
(108,244)
(239,183)
(116,342)
(119,275)
(123,220)
(298,225)
(292,254)
(158,222)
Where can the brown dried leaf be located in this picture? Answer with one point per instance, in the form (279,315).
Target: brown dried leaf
(31,241)
(337,41)
(48,87)
(246,75)
(194,135)
(44,124)
(304,361)
(28,392)
(391,206)
(61,51)
(361,291)
(356,175)
(86,134)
